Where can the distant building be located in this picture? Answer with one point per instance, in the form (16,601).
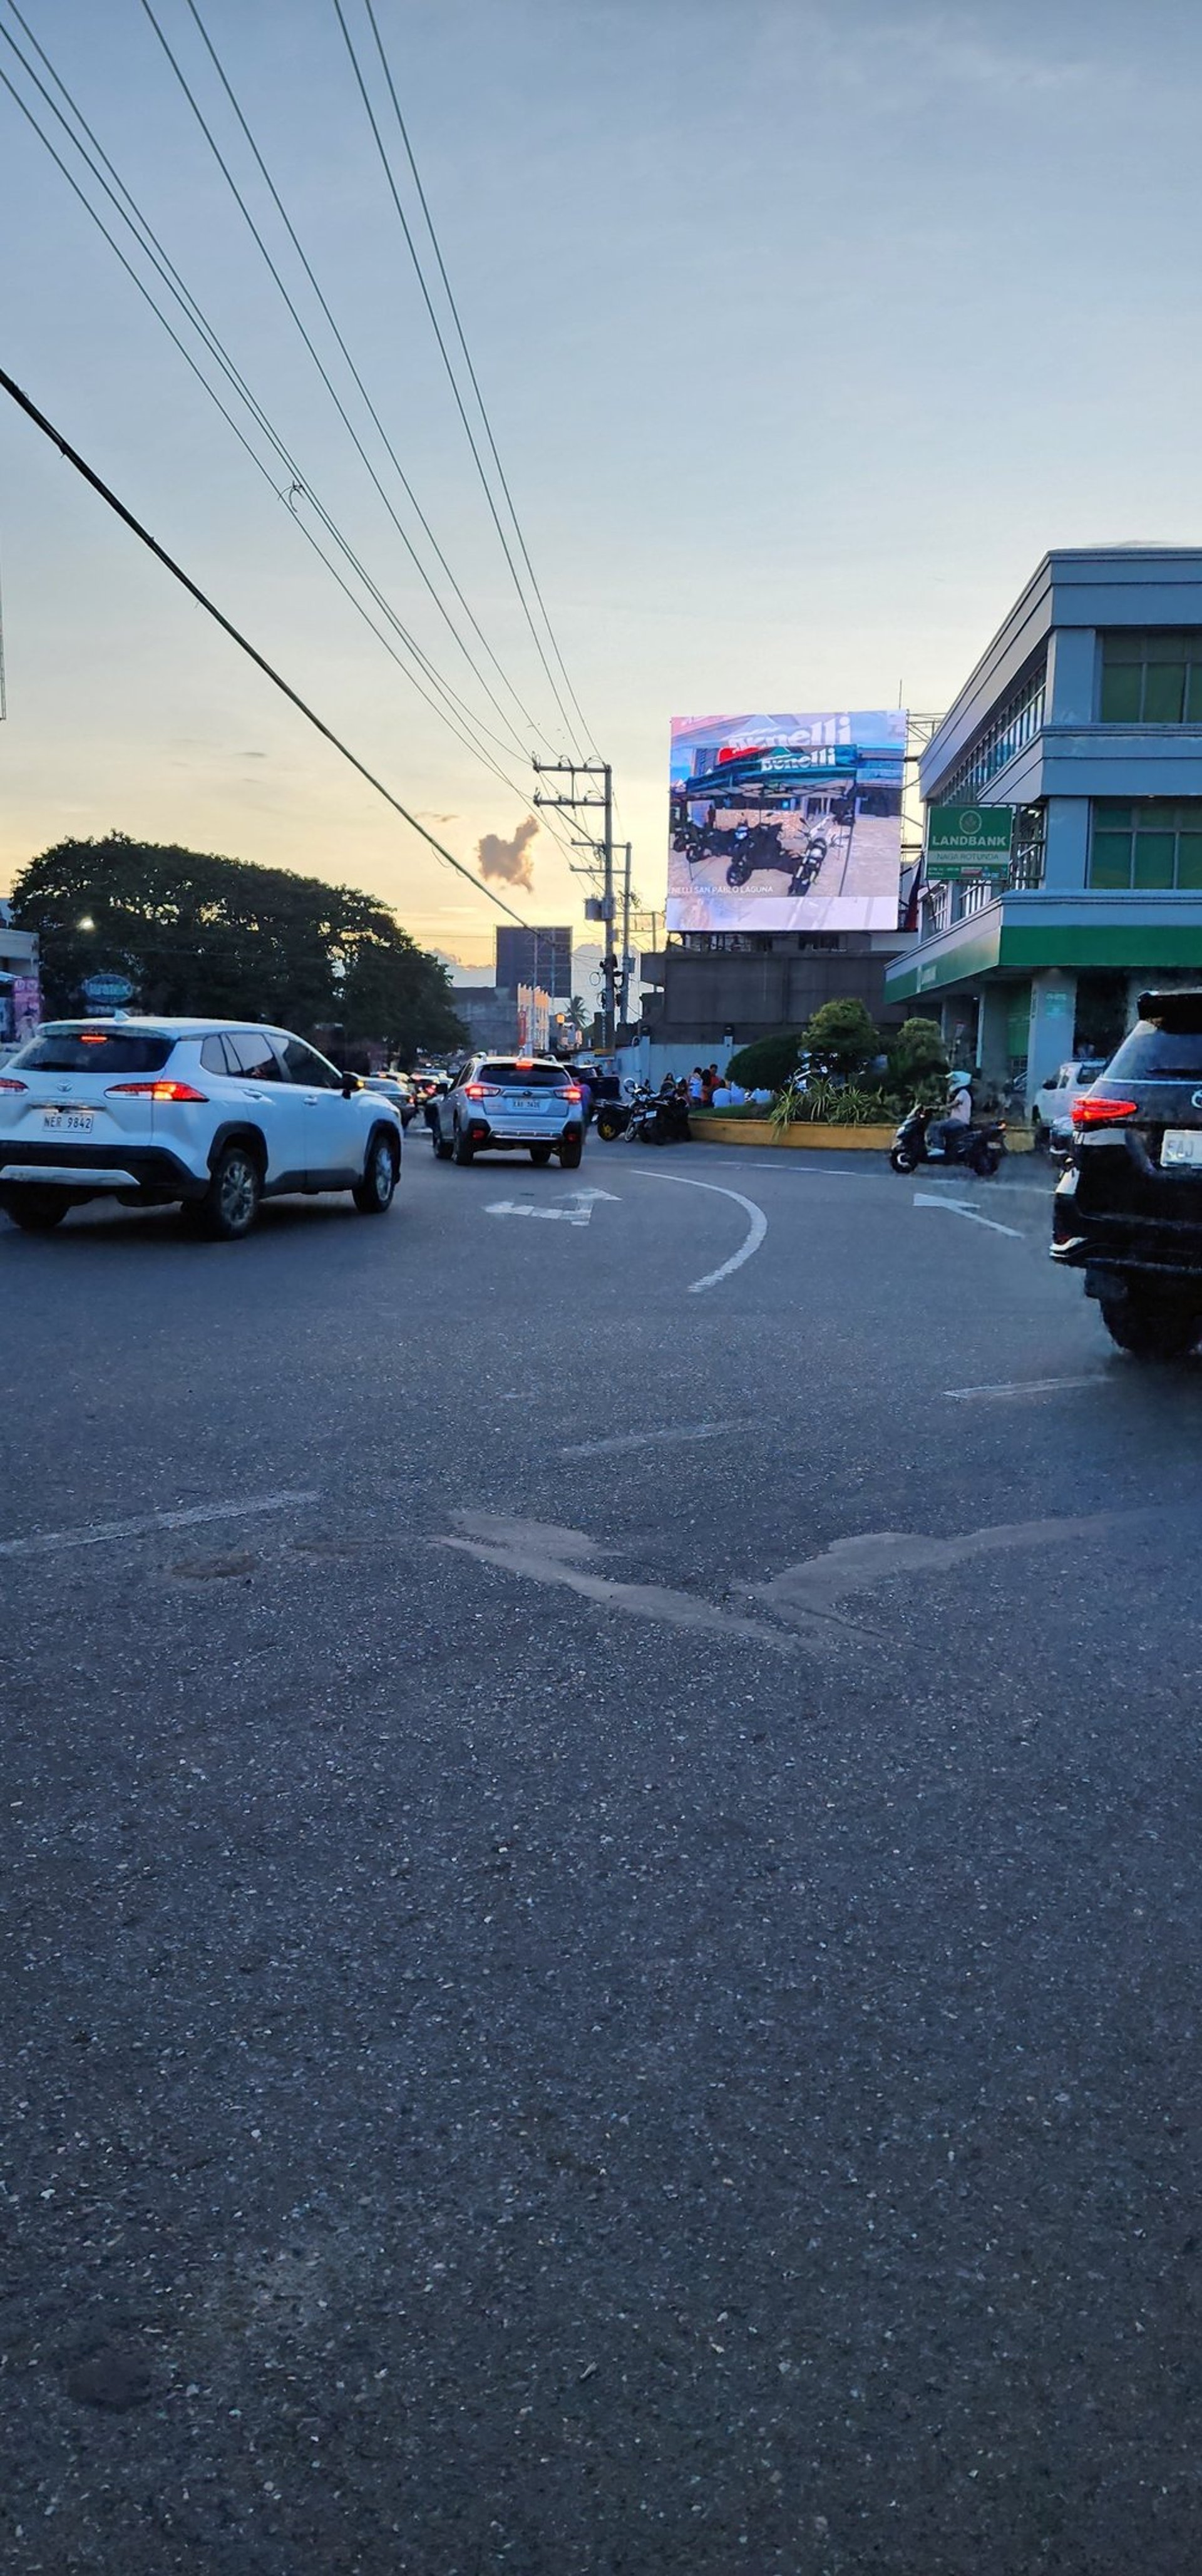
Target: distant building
(489,1014)
(20,989)
(535,956)
(712,991)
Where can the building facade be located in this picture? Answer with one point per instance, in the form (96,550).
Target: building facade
(710,987)
(20,985)
(1085,717)
(537,955)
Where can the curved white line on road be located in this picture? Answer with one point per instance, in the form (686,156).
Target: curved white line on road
(751,1241)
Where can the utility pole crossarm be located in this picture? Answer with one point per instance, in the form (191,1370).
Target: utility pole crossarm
(576,800)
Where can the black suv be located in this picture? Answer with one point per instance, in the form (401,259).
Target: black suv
(1129,1211)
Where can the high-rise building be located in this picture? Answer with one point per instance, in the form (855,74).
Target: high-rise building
(535,956)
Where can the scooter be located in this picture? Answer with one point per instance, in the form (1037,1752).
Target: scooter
(979,1148)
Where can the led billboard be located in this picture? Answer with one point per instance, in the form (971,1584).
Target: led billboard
(786,822)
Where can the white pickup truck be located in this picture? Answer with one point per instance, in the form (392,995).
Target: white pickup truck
(1052,1108)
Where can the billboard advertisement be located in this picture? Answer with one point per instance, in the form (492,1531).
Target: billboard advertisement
(786,822)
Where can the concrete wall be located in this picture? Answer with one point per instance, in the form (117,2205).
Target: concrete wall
(706,993)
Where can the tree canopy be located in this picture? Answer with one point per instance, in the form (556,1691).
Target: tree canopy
(225,937)
(841,1037)
(765,1064)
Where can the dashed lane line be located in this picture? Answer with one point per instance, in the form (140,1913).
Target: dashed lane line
(53,1542)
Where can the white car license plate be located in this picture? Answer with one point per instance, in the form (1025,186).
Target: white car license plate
(78,1120)
(1181,1145)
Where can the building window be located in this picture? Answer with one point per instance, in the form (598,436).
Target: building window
(1007,732)
(1152,846)
(1152,677)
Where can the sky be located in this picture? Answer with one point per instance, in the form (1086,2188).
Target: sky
(805,328)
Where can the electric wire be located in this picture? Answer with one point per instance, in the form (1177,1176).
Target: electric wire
(177,571)
(467,356)
(315,354)
(294,238)
(193,313)
(459,404)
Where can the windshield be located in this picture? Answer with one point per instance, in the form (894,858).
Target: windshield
(1156,1054)
(94,1051)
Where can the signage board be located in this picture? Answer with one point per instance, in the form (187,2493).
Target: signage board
(107,992)
(969,832)
(786,822)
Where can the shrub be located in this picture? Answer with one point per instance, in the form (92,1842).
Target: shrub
(767,1063)
(841,1038)
(916,1054)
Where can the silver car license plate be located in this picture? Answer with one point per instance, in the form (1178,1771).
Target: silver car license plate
(1181,1145)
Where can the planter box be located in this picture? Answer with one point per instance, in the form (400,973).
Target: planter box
(812,1138)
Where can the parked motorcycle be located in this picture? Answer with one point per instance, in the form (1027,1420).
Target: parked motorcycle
(980,1149)
(656,1118)
(613,1119)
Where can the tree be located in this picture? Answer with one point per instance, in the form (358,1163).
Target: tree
(916,1054)
(766,1064)
(194,932)
(841,1038)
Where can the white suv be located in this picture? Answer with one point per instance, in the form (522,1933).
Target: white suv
(214,1113)
(513,1103)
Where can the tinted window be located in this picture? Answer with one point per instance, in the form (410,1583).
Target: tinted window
(526,1077)
(254,1055)
(305,1065)
(94,1051)
(213,1056)
(1155,1054)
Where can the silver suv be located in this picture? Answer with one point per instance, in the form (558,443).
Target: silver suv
(209,1112)
(511,1104)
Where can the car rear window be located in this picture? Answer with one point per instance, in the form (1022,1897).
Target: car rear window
(1155,1054)
(95,1051)
(527,1077)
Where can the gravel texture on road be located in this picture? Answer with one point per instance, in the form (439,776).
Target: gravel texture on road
(600,1901)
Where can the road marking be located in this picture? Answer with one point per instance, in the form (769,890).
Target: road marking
(808,1592)
(752,1240)
(651,1439)
(1021,1386)
(575,1210)
(49,1542)
(960,1207)
(545,1554)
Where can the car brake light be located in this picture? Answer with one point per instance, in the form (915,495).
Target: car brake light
(571,1091)
(480,1090)
(92,1037)
(155,1091)
(6,1085)
(1089,1112)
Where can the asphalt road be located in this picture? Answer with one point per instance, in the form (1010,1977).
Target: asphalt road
(600,1911)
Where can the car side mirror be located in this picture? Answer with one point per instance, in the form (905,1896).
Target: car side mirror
(350,1083)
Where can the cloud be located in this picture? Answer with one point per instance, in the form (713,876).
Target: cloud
(512,861)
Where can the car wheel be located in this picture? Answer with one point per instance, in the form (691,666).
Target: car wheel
(540,1153)
(441,1147)
(570,1152)
(1151,1323)
(463,1148)
(35,1211)
(231,1202)
(374,1193)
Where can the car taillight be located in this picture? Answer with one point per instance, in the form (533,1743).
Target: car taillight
(6,1085)
(571,1091)
(1089,1112)
(155,1091)
(480,1090)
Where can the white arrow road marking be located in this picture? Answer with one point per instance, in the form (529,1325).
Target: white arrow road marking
(576,1210)
(752,1239)
(1020,1386)
(960,1207)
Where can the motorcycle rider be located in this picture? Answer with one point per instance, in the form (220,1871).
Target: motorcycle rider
(941,1131)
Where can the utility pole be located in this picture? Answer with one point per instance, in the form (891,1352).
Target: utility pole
(575,800)
(624,989)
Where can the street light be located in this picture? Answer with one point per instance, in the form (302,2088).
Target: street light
(86,923)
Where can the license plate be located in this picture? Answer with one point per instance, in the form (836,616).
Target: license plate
(1181,1145)
(79,1121)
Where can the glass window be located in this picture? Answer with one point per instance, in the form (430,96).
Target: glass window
(1152,845)
(213,1056)
(254,1055)
(94,1051)
(304,1064)
(527,1077)
(1153,1052)
(1152,676)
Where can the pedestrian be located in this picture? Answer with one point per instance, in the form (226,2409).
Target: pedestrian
(697,1084)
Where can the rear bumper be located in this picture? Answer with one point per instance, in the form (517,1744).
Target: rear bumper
(1082,1241)
(144,1171)
(482,1134)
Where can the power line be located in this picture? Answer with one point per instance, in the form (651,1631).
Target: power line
(374,414)
(470,368)
(153,250)
(459,405)
(314,353)
(177,571)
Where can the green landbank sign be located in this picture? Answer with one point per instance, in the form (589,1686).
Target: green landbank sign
(967,840)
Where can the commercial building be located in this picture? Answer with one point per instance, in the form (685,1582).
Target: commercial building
(716,990)
(20,989)
(535,955)
(1084,718)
